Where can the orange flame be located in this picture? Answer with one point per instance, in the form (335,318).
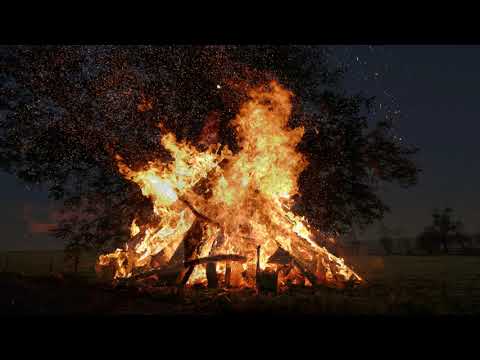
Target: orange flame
(248,198)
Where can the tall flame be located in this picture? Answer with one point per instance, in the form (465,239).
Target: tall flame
(247,202)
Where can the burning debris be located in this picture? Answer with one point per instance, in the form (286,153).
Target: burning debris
(223,217)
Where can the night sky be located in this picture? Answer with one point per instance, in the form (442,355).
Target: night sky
(435,88)
(435,91)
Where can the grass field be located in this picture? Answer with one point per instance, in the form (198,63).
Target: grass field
(394,285)
(43,262)
(443,284)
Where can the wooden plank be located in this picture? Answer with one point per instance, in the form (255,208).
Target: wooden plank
(184,266)
(184,276)
(192,243)
(228,272)
(212,275)
(216,258)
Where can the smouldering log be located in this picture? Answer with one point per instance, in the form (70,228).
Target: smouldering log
(267,281)
(212,275)
(228,272)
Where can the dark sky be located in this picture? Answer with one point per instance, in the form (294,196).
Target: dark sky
(435,90)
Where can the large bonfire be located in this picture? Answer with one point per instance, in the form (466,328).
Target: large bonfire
(227,212)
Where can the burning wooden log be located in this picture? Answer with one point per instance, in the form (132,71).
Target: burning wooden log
(257,270)
(303,256)
(197,213)
(312,261)
(305,272)
(236,277)
(191,242)
(186,265)
(251,196)
(185,275)
(286,264)
(258,260)
(212,275)
(216,258)
(267,281)
(228,272)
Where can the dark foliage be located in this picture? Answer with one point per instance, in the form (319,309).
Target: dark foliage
(445,225)
(445,229)
(428,241)
(387,244)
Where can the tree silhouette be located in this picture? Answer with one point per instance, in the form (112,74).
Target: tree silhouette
(386,238)
(67,110)
(387,244)
(444,229)
(428,240)
(445,225)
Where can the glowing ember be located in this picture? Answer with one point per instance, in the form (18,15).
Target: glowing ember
(245,204)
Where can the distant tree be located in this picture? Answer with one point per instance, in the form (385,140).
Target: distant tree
(405,245)
(444,230)
(73,252)
(465,241)
(386,239)
(409,246)
(476,240)
(401,243)
(445,225)
(428,240)
(387,244)
(383,230)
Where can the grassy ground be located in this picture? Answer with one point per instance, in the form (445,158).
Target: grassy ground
(436,284)
(43,262)
(405,285)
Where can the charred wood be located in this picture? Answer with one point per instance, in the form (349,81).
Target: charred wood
(215,258)
(228,272)
(192,243)
(212,275)
(176,268)
(257,271)
(312,278)
(185,275)
(267,281)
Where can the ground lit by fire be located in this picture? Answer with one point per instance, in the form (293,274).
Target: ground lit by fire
(215,202)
